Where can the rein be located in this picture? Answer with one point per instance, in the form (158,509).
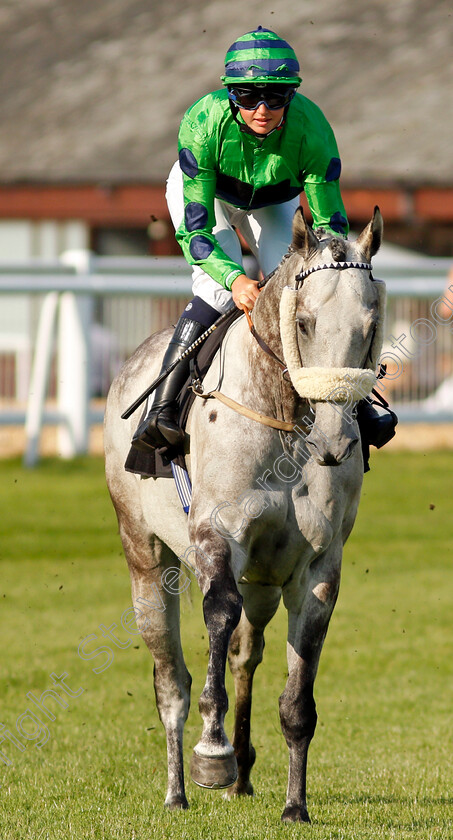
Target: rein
(265,347)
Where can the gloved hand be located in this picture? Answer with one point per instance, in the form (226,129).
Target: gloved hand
(245,291)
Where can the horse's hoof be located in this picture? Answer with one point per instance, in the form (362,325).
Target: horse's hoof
(214,772)
(295,813)
(239,789)
(177,803)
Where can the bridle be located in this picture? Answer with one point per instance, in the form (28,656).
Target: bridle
(349,382)
(299,279)
(322,384)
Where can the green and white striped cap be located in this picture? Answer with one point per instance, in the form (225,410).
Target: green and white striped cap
(261,57)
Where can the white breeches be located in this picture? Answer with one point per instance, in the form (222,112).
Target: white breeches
(267,232)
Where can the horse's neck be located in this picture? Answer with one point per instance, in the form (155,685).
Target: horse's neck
(271,390)
(267,316)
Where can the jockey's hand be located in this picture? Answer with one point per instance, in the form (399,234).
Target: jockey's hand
(245,291)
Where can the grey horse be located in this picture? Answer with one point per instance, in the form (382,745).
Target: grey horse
(271,506)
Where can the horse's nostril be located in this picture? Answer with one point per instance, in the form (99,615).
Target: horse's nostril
(329,456)
(350,449)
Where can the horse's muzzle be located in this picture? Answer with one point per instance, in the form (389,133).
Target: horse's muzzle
(327,454)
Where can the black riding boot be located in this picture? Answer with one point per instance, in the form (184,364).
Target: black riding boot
(375,429)
(160,427)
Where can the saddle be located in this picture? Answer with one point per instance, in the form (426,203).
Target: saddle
(158,462)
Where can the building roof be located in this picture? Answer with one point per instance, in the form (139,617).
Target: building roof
(94,91)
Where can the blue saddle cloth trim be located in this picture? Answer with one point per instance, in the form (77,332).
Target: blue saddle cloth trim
(183,485)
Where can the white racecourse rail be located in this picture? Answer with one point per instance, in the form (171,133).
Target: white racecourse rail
(91,312)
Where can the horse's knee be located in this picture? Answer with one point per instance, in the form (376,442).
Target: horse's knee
(169,675)
(246,650)
(222,602)
(172,689)
(222,605)
(298,715)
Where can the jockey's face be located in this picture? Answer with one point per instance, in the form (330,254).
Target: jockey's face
(262,120)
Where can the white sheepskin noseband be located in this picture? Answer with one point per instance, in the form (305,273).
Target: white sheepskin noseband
(322,384)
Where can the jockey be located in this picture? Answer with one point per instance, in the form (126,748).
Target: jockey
(246,152)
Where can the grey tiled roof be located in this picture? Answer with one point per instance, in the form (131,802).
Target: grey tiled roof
(93,90)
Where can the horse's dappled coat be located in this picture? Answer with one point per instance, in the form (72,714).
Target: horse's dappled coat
(291,550)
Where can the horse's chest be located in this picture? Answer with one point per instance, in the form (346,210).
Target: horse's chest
(287,533)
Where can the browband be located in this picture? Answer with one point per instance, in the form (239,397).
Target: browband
(340,266)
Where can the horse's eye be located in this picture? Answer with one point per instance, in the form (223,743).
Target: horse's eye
(302,327)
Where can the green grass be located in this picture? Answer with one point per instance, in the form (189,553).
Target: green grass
(380,764)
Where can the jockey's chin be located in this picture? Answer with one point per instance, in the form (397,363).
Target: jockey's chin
(262,120)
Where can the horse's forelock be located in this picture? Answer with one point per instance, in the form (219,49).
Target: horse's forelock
(338,249)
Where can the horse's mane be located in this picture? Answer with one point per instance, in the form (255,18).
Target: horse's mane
(338,248)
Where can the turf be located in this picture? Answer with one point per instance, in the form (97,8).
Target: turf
(380,764)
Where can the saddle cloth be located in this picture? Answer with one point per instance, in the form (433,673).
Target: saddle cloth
(157,463)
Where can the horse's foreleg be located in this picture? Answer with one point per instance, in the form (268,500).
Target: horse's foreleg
(244,655)
(213,761)
(307,629)
(158,621)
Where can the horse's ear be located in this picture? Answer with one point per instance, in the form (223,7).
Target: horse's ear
(304,239)
(370,239)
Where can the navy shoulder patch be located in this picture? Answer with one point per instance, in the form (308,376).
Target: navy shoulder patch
(333,169)
(188,163)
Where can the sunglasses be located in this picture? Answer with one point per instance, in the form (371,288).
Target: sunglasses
(251,98)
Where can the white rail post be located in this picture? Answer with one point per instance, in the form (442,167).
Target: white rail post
(39,378)
(74,363)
